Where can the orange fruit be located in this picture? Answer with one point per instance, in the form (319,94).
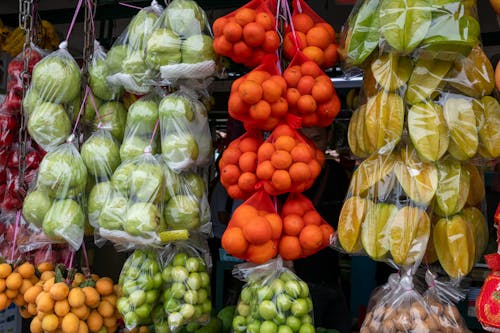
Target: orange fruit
(258,76)
(249,144)
(292,96)
(104,286)
(70,323)
(5,270)
(95,321)
(105,309)
(282,130)
(25,286)
(50,322)
(61,308)
(312,69)
(26,270)
(241,50)
(265,20)
(92,297)
(262,213)
(306,104)
(271,90)
(44,303)
(265,170)
(260,111)
(315,168)
(81,312)
(305,85)
(236,84)
(280,81)
(230,174)
(14,281)
(331,55)
(31,294)
(271,41)
(2,282)
(59,291)
(248,162)
(76,297)
(330,109)
(299,172)
(290,248)
(4,301)
(302,22)
(218,26)
(250,92)
(281,160)
(329,28)
(269,188)
(318,36)
(281,180)
(320,157)
(233,32)
(234,242)
(312,217)
(284,142)
(269,123)
(259,254)
(322,92)
(315,54)
(276,224)
(223,46)
(235,192)
(302,153)
(292,76)
(45,267)
(243,214)
(254,34)
(311,237)
(247,181)
(237,106)
(265,151)
(280,108)
(327,231)
(293,224)
(230,156)
(257,231)
(244,16)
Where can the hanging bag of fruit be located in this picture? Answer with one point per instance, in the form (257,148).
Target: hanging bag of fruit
(127,57)
(181,44)
(254,230)
(272,297)
(100,68)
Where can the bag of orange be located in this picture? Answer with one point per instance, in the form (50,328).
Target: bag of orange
(305,232)
(247,34)
(254,230)
(309,33)
(288,162)
(310,92)
(238,165)
(258,99)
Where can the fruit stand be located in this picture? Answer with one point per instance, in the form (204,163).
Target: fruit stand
(156,154)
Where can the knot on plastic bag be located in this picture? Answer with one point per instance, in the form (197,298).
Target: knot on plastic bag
(63,45)
(148,150)
(406,282)
(70,138)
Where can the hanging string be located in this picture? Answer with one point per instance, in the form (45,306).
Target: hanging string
(82,106)
(84,250)
(77,10)
(289,15)
(154,132)
(129,5)
(94,104)
(16,228)
(278,7)
(72,255)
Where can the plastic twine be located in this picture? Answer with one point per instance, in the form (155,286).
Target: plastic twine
(278,63)
(289,15)
(155,129)
(94,104)
(72,24)
(92,26)
(71,256)
(84,250)
(129,5)
(82,106)
(16,228)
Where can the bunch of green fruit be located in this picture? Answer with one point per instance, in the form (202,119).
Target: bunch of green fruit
(280,303)
(99,69)
(186,297)
(140,282)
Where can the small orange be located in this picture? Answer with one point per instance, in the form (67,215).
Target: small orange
(281,160)
(243,214)
(331,55)
(272,91)
(105,309)
(62,308)
(59,291)
(233,32)
(280,81)
(276,224)
(257,231)
(302,22)
(14,281)
(235,192)
(95,321)
(234,242)
(31,294)
(289,47)
(244,16)
(249,144)
(26,270)
(223,46)
(293,224)
(2,285)
(322,92)
(280,108)
(290,248)
(104,286)
(311,237)
(218,26)
(306,104)
(311,68)
(292,76)
(305,84)
(248,162)
(265,151)
(292,96)
(4,301)
(5,270)
(230,156)
(236,84)
(258,76)
(271,41)
(329,28)
(312,217)
(330,109)
(250,92)
(281,180)
(50,322)
(259,254)
(45,267)
(237,106)
(241,50)
(230,174)
(319,37)
(299,172)
(327,231)
(269,124)
(247,181)
(265,170)
(25,286)
(315,54)
(254,34)
(260,111)
(284,142)
(302,153)
(265,20)
(315,168)
(282,130)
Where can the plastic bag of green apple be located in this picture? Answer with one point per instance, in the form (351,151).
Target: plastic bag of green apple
(55,202)
(180,46)
(99,69)
(273,299)
(186,295)
(127,57)
(54,98)
(185,133)
(141,287)
(142,118)
(130,206)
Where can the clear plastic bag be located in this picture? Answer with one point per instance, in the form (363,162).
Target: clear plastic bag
(141,286)
(127,57)
(55,203)
(272,297)
(181,44)
(382,291)
(185,134)
(254,230)
(101,155)
(112,116)
(238,165)
(186,297)
(99,70)
(305,232)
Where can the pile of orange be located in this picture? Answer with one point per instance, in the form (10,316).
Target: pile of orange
(287,162)
(14,283)
(315,39)
(253,233)
(246,35)
(259,99)
(310,93)
(238,165)
(304,230)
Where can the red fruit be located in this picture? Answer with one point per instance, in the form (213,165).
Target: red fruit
(32,160)
(13,102)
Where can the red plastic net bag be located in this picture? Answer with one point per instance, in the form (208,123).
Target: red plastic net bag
(310,92)
(258,99)
(305,232)
(309,33)
(247,34)
(288,162)
(238,165)
(254,230)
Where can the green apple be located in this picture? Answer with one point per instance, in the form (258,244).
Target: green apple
(113,212)
(196,184)
(304,289)
(268,327)
(143,311)
(264,293)
(146,181)
(178,289)
(278,286)
(284,329)
(123,305)
(246,295)
(140,28)
(194,281)
(35,207)
(115,58)
(307,328)
(202,295)
(167,274)
(187,311)
(253,327)
(306,319)
(243,309)
(206,307)
(180,259)
(292,288)
(142,116)
(197,48)
(101,155)
(294,323)
(205,279)
(191,297)
(283,302)
(142,218)
(137,298)
(299,307)
(185,18)
(49,125)
(98,72)
(97,200)
(176,106)
(179,274)
(192,265)
(267,310)
(175,319)
(152,295)
(131,319)
(171,305)
(113,118)
(64,220)
(280,319)
(121,177)
(239,324)
(182,212)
